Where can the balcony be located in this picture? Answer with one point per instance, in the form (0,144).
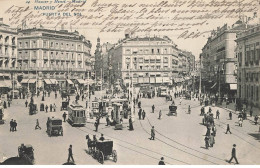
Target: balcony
(34,57)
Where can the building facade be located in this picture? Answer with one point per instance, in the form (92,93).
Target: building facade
(219,60)
(248,53)
(49,54)
(146,60)
(8,56)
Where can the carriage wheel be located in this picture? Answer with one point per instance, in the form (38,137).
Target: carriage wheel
(95,154)
(101,157)
(114,155)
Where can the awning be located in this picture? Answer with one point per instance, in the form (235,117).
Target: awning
(24,81)
(8,83)
(213,86)
(54,81)
(69,82)
(47,81)
(166,80)
(32,81)
(81,81)
(159,79)
(233,86)
(2,84)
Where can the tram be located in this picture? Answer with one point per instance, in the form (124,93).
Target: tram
(76,115)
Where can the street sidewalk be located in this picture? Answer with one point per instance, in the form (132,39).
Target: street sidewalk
(231,107)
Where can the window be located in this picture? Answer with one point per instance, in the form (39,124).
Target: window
(158,67)
(141,67)
(20,44)
(44,44)
(26,44)
(158,51)
(158,60)
(165,59)
(128,51)
(141,60)
(165,51)
(52,44)
(152,51)
(152,60)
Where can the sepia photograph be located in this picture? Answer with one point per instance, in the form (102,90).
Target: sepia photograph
(115,82)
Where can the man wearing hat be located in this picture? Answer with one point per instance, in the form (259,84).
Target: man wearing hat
(102,137)
(152,133)
(161,161)
(233,154)
(70,154)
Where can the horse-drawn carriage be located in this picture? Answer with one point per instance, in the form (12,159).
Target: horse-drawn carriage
(172,110)
(101,150)
(64,105)
(54,126)
(33,109)
(25,152)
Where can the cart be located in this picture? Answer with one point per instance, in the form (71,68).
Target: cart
(26,153)
(104,150)
(64,105)
(54,126)
(33,109)
(41,107)
(172,110)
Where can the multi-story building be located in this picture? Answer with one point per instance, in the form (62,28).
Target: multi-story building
(151,60)
(219,60)
(102,61)
(8,55)
(52,56)
(248,53)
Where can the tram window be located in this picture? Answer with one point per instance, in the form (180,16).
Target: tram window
(74,114)
(83,113)
(80,113)
(77,114)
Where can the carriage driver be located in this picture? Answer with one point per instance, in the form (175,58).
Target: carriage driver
(102,138)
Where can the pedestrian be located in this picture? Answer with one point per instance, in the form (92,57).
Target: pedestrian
(55,95)
(140,113)
(251,112)
(214,130)
(256,118)
(206,139)
(46,108)
(96,125)
(160,114)
(70,154)
(152,133)
(131,124)
(9,103)
(107,120)
(37,125)
(217,114)
(208,131)
(161,162)
(230,115)
(5,105)
(233,154)
(143,114)
(240,120)
(54,107)
(50,107)
(228,129)
(180,100)
(14,125)
(102,137)
(11,125)
(153,108)
(42,97)
(189,110)
(64,116)
(26,103)
(82,97)
(211,140)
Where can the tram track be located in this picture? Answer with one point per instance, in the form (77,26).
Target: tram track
(179,148)
(136,146)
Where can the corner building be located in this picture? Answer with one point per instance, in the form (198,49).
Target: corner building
(53,57)
(248,53)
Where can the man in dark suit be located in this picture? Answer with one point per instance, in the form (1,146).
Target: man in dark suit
(70,154)
(161,162)
(233,154)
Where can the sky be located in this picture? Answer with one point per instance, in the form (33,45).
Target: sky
(92,32)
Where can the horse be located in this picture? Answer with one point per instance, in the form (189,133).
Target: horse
(91,144)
